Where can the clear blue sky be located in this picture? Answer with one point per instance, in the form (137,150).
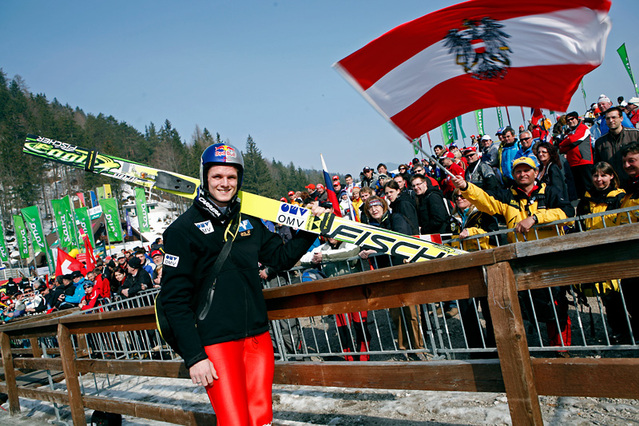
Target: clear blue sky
(242,67)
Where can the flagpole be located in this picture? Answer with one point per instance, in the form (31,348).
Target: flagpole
(508,116)
(431,158)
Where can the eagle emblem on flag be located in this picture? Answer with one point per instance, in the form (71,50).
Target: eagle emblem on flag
(480,48)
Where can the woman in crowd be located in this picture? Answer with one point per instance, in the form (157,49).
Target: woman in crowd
(402,204)
(550,169)
(605,195)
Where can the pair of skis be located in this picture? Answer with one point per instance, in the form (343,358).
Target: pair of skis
(368,237)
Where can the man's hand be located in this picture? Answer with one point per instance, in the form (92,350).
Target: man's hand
(459,182)
(365,253)
(263,274)
(316,210)
(524,226)
(317,258)
(203,373)
(125,292)
(463,234)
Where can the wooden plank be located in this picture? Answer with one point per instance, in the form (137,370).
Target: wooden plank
(588,377)
(9,374)
(395,292)
(510,335)
(469,376)
(578,266)
(175,369)
(39,363)
(148,410)
(36,351)
(73,384)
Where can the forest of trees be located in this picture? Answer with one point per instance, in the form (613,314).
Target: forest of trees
(23,178)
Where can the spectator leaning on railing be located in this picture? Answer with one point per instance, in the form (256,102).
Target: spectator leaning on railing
(522,206)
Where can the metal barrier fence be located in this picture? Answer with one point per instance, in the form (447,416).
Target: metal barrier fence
(560,320)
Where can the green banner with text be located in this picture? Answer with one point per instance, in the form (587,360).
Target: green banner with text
(142,210)
(112,217)
(22,236)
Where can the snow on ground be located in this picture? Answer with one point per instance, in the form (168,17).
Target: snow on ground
(304,405)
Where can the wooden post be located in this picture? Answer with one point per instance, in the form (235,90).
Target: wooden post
(71,375)
(36,350)
(9,374)
(512,346)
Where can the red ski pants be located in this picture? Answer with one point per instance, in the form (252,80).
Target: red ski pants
(243,393)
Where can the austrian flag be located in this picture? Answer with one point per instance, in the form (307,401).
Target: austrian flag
(480,54)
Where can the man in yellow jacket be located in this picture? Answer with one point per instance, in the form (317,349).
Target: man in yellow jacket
(524,205)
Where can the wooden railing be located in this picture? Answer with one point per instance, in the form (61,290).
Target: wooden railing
(498,274)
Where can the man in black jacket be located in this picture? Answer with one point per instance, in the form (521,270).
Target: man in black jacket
(434,218)
(223,335)
(136,280)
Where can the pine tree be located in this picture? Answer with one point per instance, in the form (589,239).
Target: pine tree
(257,177)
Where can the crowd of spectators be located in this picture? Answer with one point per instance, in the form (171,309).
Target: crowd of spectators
(120,276)
(535,175)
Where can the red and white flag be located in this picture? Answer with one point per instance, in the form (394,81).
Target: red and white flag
(67,264)
(480,54)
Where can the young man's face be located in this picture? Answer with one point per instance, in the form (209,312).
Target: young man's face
(349,180)
(509,137)
(613,120)
(631,165)
(382,170)
(222,181)
(438,151)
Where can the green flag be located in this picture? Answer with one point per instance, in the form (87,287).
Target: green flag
(63,224)
(33,223)
(21,236)
(461,128)
(500,119)
(110,210)
(4,254)
(479,119)
(82,215)
(447,133)
(626,63)
(142,210)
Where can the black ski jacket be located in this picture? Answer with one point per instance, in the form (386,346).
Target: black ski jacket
(192,244)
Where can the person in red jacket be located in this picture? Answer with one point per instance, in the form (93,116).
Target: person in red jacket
(448,161)
(577,147)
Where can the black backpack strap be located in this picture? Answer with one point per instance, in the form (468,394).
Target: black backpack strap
(217,267)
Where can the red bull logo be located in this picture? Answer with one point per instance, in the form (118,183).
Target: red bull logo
(225,151)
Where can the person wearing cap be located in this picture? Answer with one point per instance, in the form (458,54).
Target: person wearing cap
(480,173)
(601,126)
(322,195)
(632,110)
(91,297)
(158,259)
(448,160)
(137,279)
(489,151)
(608,147)
(576,145)
(73,290)
(368,178)
(223,331)
(506,155)
(524,205)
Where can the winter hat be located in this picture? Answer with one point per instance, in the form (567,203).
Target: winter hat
(603,98)
(486,138)
(634,101)
(135,263)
